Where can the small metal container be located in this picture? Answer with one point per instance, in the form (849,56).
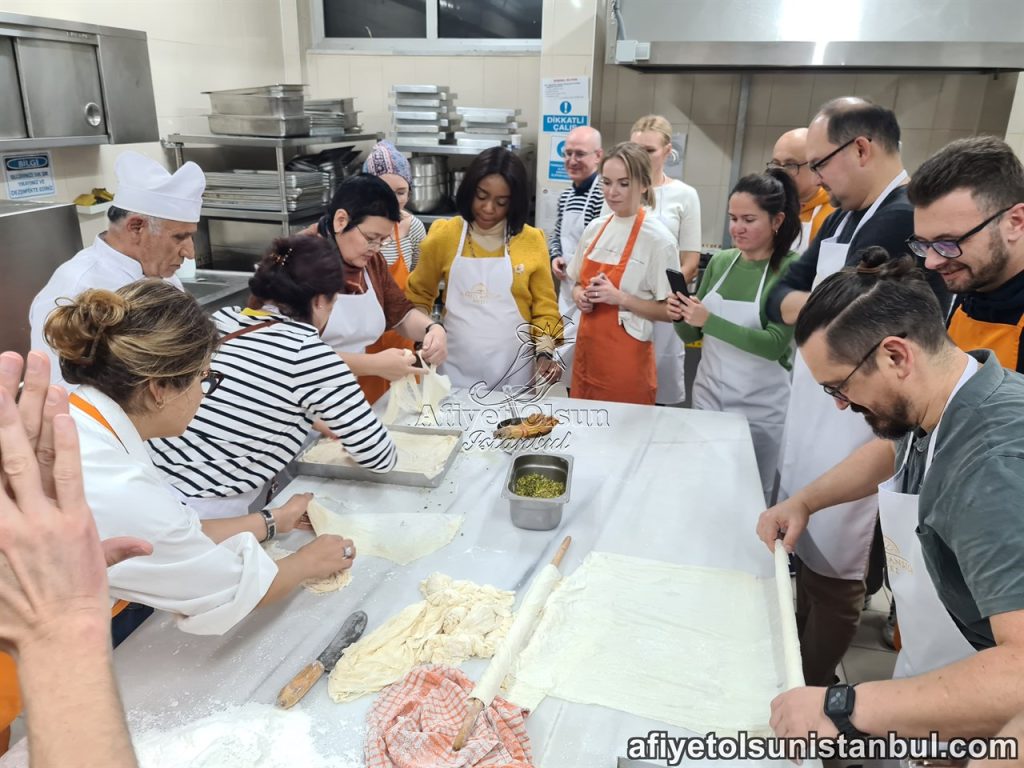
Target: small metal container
(532,513)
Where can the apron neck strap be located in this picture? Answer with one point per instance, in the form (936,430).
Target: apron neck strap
(91,410)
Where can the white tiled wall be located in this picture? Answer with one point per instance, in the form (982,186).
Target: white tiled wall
(933,109)
(194,46)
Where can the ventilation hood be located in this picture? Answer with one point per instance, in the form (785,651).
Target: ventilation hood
(977,35)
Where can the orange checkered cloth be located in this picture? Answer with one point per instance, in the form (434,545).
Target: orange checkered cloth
(414,721)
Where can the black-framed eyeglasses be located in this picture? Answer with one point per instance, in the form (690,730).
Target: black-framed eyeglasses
(375,243)
(209,381)
(949,248)
(817,165)
(791,167)
(836,390)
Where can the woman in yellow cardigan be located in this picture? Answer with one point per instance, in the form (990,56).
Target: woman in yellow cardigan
(500,310)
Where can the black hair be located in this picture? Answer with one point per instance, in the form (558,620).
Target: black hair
(984,165)
(116,214)
(880,297)
(849,118)
(360,196)
(293,272)
(775,192)
(500,161)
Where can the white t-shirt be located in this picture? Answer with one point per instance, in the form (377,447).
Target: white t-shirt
(644,277)
(677,205)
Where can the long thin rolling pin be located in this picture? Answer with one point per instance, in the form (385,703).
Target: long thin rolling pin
(790,640)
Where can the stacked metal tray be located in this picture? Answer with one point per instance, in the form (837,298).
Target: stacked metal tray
(266,110)
(332,116)
(423,115)
(484,127)
(305,192)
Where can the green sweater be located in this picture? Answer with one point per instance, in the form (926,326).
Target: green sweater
(772,341)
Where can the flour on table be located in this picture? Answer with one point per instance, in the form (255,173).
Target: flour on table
(454,621)
(692,647)
(332,583)
(419,454)
(251,736)
(401,537)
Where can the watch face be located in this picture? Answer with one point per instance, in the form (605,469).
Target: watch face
(837,701)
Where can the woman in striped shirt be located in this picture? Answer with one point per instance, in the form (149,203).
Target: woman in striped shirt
(279,377)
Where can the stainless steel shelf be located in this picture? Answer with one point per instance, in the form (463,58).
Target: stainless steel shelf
(240,214)
(430,218)
(268,142)
(445,149)
(53,143)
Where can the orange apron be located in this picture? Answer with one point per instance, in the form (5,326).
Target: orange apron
(10,702)
(610,364)
(375,386)
(1001,338)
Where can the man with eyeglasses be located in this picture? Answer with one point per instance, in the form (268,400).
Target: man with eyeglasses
(948,467)
(577,207)
(790,155)
(853,148)
(968,203)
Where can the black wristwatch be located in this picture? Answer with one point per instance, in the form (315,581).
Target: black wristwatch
(839,702)
(268,518)
(431,326)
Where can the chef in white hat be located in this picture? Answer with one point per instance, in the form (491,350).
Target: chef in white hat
(152,221)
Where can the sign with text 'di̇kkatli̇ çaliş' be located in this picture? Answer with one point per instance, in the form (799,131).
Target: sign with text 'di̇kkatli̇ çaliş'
(565,104)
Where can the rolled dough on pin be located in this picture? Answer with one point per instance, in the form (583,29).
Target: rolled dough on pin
(518,636)
(790,638)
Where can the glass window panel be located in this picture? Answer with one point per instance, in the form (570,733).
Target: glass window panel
(375,18)
(501,19)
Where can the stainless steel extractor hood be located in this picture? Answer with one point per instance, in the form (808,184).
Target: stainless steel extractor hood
(979,35)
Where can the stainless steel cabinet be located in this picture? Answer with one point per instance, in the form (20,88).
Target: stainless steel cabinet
(61,88)
(12,116)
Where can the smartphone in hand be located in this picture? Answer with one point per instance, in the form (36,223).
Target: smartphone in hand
(677,281)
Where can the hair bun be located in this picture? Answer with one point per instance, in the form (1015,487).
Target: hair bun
(75,329)
(876,262)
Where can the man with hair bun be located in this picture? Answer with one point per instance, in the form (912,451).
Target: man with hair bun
(152,221)
(948,466)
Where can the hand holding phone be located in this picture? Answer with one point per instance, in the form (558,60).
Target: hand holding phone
(677,281)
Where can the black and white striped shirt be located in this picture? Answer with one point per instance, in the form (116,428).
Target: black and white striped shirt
(576,199)
(277,381)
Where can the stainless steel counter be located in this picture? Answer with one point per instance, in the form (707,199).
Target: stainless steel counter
(215,288)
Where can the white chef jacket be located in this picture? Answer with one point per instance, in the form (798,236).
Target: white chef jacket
(98,266)
(211,586)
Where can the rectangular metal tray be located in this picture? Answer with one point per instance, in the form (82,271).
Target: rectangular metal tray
(256,105)
(277,89)
(247,125)
(438,89)
(413,479)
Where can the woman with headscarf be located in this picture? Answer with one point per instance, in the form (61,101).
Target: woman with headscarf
(401,254)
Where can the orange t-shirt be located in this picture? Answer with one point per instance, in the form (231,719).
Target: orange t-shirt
(10,701)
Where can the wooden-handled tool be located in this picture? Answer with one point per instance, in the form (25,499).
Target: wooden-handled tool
(299,686)
(476,705)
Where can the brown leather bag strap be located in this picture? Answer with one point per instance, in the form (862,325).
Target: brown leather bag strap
(249,329)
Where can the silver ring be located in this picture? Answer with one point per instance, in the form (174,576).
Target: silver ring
(348,553)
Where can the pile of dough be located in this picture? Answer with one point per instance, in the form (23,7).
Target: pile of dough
(332,583)
(694,647)
(417,395)
(396,536)
(454,621)
(419,454)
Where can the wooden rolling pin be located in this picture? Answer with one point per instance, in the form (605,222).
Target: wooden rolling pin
(522,628)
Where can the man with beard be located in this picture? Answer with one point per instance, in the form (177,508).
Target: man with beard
(951,427)
(968,203)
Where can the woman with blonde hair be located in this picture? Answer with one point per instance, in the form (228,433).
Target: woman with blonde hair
(677,206)
(621,286)
(141,356)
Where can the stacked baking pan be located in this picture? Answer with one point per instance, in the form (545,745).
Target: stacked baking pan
(429,189)
(306,192)
(489,127)
(423,115)
(336,164)
(332,116)
(268,110)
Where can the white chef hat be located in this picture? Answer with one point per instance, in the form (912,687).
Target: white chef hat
(145,186)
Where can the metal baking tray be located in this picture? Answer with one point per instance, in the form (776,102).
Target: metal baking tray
(425,103)
(441,90)
(256,105)
(247,125)
(482,113)
(277,89)
(331,105)
(338,472)
(400,113)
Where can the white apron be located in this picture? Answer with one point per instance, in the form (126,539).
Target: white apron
(570,233)
(804,240)
(733,381)
(356,321)
(931,639)
(669,352)
(482,320)
(817,437)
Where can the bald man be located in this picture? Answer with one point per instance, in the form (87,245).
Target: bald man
(790,155)
(577,207)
